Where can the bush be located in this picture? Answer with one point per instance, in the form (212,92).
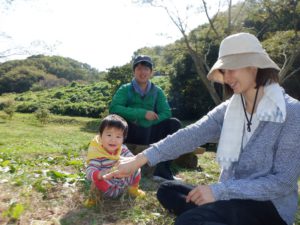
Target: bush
(8,107)
(9,111)
(28,107)
(42,115)
(58,95)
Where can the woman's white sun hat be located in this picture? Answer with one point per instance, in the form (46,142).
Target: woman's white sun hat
(239,51)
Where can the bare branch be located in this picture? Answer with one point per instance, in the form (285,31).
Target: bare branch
(34,48)
(239,13)
(291,74)
(211,22)
(229,17)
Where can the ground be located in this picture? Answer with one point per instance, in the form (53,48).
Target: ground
(42,177)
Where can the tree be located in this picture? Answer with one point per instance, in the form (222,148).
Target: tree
(275,23)
(198,56)
(20,79)
(117,76)
(188,98)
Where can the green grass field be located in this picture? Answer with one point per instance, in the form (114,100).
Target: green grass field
(42,177)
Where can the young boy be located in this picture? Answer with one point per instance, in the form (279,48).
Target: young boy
(104,152)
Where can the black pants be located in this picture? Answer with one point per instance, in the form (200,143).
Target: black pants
(172,194)
(149,135)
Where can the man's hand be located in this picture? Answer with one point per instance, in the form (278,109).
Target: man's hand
(150,115)
(200,195)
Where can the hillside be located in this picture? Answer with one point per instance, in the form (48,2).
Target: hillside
(41,72)
(75,99)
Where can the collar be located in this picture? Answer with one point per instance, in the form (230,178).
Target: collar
(138,89)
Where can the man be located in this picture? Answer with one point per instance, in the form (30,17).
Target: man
(144,106)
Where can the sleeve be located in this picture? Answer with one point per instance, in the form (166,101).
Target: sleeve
(119,105)
(162,107)
(126,152)
(95,165)
(207,129)
(93,169)
(281,181)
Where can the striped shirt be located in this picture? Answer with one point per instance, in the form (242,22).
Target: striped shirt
(113,187)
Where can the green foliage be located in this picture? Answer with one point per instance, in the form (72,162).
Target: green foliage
(117,76)
(19,79)
(188,97)
(14,211)
(76,99)
(8,106)
(163,82)
(42,72)
(42,115)
(9,111)
(280,44)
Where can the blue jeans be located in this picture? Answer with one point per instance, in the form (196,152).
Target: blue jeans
(172,194)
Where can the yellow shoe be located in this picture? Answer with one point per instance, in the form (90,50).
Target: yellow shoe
(89,203)
(134,191)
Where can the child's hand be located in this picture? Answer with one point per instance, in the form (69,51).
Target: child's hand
(115,167)
(102,173)
(111,170)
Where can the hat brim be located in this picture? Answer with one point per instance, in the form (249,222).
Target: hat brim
(238,61)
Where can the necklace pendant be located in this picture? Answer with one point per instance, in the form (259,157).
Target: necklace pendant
(249,127)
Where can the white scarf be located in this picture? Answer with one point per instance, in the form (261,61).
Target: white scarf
(270,108)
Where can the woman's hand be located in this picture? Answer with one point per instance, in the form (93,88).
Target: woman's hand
(200,195)
(101,174)
(127,166)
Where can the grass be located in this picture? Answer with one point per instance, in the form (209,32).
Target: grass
(42,177)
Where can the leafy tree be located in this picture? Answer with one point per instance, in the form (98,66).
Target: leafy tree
(43,72)
(277,23)
(117,76)
(19,79)
(190,41)
(188,96)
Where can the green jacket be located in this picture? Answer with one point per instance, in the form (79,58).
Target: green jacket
(132,107)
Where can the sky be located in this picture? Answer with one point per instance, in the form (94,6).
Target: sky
(101,33)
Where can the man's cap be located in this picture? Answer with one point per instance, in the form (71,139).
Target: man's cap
(142,59)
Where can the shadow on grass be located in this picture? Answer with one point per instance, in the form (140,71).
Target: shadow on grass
(122,211)
(109,213)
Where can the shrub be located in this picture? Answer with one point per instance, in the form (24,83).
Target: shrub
(8,107)
(9,111)
(42,115)
(27,107)
(58,95)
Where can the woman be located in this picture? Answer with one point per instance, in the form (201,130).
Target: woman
(258,152)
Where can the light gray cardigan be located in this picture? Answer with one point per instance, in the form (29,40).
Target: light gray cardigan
(268,167)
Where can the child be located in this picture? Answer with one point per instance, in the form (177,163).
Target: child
(104,152)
